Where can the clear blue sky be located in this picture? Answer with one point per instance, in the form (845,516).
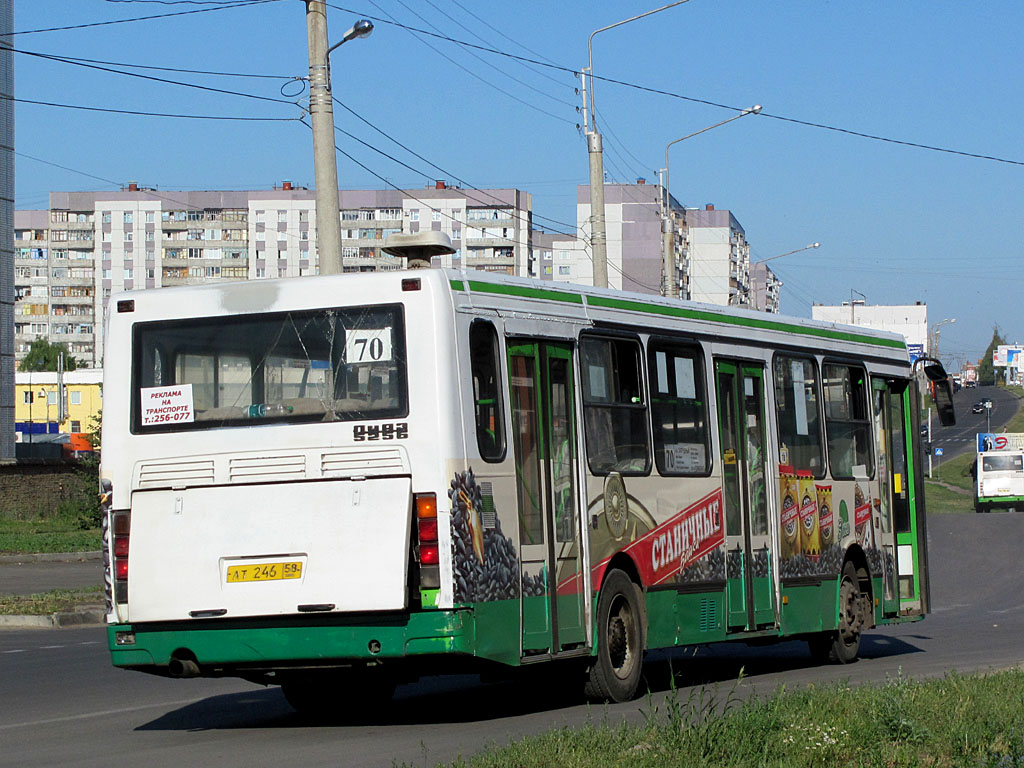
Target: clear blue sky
(896,223)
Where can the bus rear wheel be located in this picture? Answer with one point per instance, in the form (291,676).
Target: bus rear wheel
(615,672)
(842,645)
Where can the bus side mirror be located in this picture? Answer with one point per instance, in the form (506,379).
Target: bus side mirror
(941,387)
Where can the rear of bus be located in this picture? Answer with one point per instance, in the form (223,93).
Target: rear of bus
(272,469)
(999,481)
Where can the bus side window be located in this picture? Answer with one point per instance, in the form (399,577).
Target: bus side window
(678,408)
(614,412)
(846,421)
(487,405)
(796,402)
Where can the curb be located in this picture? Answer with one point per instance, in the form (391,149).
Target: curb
(89,616)
(52,557)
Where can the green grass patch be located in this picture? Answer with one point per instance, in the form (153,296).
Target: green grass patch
(56,534)
(970,721)
(941,500)
(46,603)
(955,471)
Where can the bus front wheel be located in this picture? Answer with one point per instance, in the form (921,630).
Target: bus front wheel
(615,671)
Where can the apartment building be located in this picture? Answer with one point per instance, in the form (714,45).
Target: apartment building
(70,258)
(6,233)
(633,232)
(719,257)
(765,288)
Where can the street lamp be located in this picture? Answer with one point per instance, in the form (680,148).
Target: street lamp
(852,305)
(667,233)
(598,239)
(789,253)
(934,351)
(321,112)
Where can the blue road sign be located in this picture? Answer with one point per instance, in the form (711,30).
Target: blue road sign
(938,451)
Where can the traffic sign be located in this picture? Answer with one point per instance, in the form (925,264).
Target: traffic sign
(938,451)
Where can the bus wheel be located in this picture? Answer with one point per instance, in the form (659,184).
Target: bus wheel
(615,672)
(325,695)
(842,645)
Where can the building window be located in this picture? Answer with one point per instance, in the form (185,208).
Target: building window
(76,426)
(436,215)
(564,270)
(129,217)
(27,395)
(76,398)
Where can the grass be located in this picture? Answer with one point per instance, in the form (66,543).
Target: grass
(956,721)
(55,534)
(46,603)
(940,500)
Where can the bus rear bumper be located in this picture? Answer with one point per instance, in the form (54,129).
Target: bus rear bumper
(257,646)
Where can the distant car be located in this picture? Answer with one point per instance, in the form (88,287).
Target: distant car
(978,408)
(970,384)
(985,401)
(924,431)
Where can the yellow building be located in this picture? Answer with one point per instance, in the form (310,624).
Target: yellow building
(37,405)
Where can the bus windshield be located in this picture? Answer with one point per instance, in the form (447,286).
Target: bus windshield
(313,365)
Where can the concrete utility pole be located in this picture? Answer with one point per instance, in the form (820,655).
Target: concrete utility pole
(325,166)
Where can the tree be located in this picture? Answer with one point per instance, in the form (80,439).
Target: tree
(986,371)
(42,356)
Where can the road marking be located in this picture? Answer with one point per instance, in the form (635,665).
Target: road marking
(102,713)
(49,647)
(19,650)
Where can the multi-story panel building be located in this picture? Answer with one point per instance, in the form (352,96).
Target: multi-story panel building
(719,257)
(6,232)
(633,232)
(88,245)
(765,288)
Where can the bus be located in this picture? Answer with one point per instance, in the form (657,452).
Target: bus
(365,478)
(999,472)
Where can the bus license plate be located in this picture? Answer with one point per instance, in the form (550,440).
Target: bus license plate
(264,572)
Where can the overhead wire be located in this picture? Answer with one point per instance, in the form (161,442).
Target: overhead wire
(691,99)
(109,22)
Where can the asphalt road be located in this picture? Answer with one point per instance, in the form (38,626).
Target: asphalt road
(962,437)
(63,704)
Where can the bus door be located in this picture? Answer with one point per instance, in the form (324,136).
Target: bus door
(898,437)
(541,393)
(749,588)
(891,460)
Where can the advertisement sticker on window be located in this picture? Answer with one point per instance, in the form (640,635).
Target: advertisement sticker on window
(167,405)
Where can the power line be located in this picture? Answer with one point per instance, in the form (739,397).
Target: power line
(75,59)
(691,99)
(224,7)
(164,80)
(148,114)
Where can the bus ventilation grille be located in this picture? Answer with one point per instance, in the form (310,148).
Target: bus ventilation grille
(708,615)
(487,514)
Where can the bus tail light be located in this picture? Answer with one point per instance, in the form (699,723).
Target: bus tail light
(122,527)
(426,540)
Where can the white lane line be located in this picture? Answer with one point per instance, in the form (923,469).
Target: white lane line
(18,650)
(90,642)
(50,647)
(101,713)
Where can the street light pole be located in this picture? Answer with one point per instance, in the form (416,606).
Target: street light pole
(851,303)
(667,225)
(935,335)
(598,236)
(321,112)
(789,253)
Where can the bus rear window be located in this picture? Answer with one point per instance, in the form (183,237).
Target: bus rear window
(318,365)
(1011,462)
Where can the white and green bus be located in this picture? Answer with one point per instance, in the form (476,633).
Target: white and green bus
(364,478)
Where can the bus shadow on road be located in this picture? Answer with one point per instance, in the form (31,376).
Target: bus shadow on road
(465,699)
